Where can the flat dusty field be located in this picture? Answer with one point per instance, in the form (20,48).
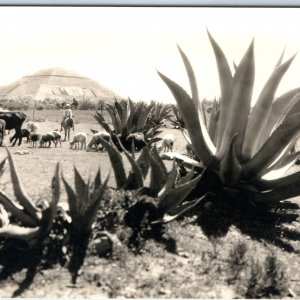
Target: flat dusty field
(37,168)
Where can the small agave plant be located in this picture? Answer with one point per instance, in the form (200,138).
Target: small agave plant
(244,150)
(83,205)
(30,223)
(160,202)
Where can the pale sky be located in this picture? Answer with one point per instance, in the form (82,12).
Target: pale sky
(122,48)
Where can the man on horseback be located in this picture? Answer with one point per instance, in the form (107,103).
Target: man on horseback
(68,113)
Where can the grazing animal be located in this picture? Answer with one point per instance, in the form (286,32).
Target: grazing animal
(57,137)
(47,138)
(32,127)
(67,124)
(34,138)
(52,136)
(167,143)
(2,131)
(14,120)
(79,138)
(137,140)
(26,134)
(96,141)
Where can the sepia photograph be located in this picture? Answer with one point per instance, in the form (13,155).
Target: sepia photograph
(149,152)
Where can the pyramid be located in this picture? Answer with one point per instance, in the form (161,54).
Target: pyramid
(56,83)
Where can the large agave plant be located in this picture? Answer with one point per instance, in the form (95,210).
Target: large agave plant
(245,149)
(127,119)
(158,202)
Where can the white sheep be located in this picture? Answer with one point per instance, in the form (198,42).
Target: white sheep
(79,137)
(95,140)
(167,143)
(32,127)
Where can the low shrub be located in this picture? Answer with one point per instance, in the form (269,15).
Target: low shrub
(86,105)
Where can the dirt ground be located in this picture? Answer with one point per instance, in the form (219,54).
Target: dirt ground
(199,270)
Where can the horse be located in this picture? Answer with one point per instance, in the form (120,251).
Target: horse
(68,123)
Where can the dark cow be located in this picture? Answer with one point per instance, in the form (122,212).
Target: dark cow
(2,131)
(14,120)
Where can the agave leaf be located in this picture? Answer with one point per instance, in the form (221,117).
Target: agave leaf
(72,200)
(119,110)
(193,84)
(278,194)
(91,211)
(131,115)
(201,142)
(100,119)
(2,164)
(157,158)
(157,176)
(279,172)
(4,217)
(114,119)
(20,233)
(239,104)
(225,79)
(176,196)
(179,211)
(117,163)
(264,184)
(230,168)
(18,213)
(279,62)
(20,193)
(183,160)
(144,162)
(137,172)
(282,159)
(50,212)
(97,180)
(186,136)
(261,111)
(282,107)
(235,66)
(273,147)
(170,182)
(187,177)
(143,117)
(80,185)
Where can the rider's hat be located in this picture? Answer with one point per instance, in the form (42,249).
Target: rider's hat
(67,106)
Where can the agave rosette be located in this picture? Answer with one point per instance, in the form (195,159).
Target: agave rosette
(83,203)
(32,224)
(128,117)
(245,147)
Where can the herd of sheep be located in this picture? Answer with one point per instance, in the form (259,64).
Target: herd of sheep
(79,140)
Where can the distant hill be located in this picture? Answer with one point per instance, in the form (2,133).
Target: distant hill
(58,84)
